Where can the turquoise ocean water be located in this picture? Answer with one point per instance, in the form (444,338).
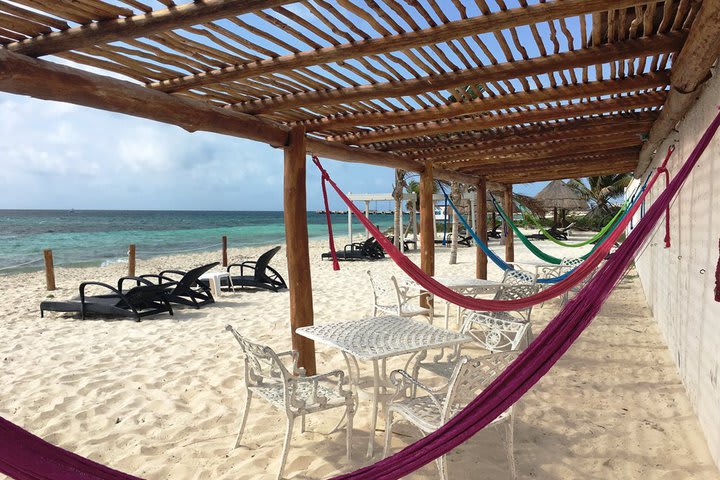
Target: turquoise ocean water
(95,237)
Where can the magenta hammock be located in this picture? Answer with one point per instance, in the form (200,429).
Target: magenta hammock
(25,456)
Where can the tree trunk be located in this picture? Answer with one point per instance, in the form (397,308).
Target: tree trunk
(397,196)
(456,197)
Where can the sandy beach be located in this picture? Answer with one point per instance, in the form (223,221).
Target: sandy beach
(162,398)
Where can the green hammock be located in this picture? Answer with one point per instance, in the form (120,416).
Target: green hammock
(527,214)
(530,245)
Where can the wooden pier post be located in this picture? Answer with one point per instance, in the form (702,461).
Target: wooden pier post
(298,255)
(49,270)
(131,260)
(427,225)
(481,260)
(224,251)
(510,237)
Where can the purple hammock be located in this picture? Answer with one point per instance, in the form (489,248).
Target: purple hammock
(26,456)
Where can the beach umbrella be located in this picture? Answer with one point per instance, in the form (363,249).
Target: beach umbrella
(557,195)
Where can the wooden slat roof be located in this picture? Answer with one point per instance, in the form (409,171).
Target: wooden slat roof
(515,90)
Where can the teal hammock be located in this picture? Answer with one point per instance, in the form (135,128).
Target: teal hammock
(529,215)
(554,260)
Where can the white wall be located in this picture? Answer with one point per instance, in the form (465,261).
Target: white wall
(679,281)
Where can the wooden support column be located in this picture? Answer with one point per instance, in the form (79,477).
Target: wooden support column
(298,255)
(509,241)
(481,228)
(427,224)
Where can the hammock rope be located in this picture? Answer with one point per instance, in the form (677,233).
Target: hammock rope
(479,304)
(539,357)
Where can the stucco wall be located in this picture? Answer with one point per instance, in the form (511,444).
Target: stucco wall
(679,281)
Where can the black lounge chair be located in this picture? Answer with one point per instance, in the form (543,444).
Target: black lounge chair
(188,289)
(495,232)
(406,244)
(367,250)
(263,275)
(136,303)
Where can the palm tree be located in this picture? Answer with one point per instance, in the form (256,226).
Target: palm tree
(456,191)
(397,193)
(600,192)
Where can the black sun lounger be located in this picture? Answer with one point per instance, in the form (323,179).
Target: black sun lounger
(136,303)
(367,250)
(184,288)
(263,276)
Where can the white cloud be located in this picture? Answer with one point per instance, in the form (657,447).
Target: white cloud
(57,155)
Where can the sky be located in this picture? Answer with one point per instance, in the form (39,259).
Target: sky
(64,156)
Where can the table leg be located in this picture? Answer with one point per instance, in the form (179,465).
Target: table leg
(373,417)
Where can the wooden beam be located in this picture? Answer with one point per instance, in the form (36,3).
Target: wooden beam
(620,156)
(427,220)
(646,100)
(492,73)
(481,261)
(526,134)
(690,70)
(445,157)
(143,25)
(485,104)
(567,149)
(509,235)
(49,81)
(297,251)
(546,175)
(340,151)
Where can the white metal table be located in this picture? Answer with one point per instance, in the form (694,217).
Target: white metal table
(375,340)
(463,285)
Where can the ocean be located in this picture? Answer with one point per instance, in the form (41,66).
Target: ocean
(97,237)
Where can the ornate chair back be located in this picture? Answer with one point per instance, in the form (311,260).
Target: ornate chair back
(496,332)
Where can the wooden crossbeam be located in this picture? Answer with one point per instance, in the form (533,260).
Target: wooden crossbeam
(619,140)
(533,97)
(544,174)
(690,70)
(531,142)
(647,100)
(565,130)
(143,25)
(438,34)
(612,156)
(640,47)
(590,152)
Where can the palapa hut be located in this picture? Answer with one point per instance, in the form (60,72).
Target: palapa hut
(558,196)
(549,90)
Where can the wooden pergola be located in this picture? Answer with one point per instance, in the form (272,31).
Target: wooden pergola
(472,91)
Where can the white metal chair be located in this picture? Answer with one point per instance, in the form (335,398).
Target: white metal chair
(518,277)
(492,331)
(296,394)
(435,407)
(567,264)
(393,299)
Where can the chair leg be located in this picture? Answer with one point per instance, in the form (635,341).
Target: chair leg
(441,463)
(388,432)
(509,440)
(350,413)
(286,445)
(244,419)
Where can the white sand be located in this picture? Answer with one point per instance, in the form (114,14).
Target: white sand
(162,398)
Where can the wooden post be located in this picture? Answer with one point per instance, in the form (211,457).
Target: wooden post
(131,260)
(427,225)
(481,222)
(298,255)
(224,251)
(509,241)
(367,214)
(49,270)
(555,217)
